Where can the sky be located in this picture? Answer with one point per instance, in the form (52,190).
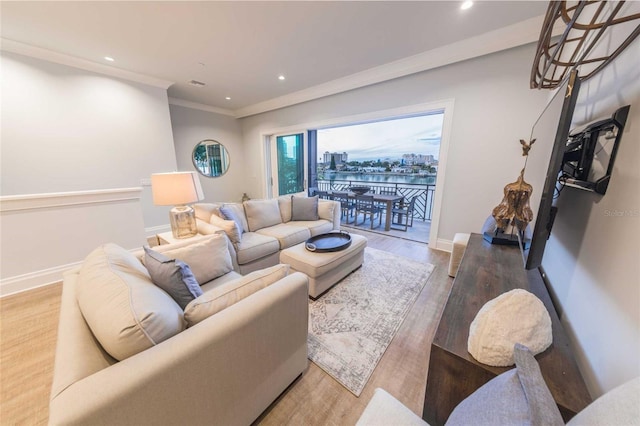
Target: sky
(384,139)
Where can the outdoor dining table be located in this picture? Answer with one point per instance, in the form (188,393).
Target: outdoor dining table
(389,199)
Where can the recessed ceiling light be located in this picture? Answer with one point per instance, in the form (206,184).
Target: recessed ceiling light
(228,98)
(281,77)
(109,58)
(466,5)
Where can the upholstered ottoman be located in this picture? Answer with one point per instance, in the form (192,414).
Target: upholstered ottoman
(325,269)
(459,246)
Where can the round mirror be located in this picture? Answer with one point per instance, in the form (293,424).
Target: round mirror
(210,158)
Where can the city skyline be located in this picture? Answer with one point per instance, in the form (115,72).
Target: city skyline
(384,139)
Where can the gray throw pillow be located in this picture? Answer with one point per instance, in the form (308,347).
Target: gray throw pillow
(517,397)
(173,276)
(229,213)
(304,208)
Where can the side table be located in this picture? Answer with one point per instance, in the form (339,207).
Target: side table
(168,238)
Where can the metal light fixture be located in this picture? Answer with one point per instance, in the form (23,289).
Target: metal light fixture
(178,189)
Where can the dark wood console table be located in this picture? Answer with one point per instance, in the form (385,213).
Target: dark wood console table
(486,272)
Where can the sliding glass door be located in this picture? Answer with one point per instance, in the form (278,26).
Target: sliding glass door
(290,170)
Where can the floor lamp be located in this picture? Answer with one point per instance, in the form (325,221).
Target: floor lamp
(178,189)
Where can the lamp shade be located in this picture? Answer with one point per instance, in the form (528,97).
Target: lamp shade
(177,188)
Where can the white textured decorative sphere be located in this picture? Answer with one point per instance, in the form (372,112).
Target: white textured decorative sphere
(516,316)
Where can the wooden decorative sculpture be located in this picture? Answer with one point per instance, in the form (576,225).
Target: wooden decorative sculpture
(514,208)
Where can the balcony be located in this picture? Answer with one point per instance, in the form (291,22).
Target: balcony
(422,213)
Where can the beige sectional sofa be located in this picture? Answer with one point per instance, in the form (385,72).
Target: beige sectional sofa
(260,229)
(125,355)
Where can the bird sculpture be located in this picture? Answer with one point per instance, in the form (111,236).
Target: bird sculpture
(526,146)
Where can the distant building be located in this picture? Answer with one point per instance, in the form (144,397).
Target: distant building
(338,157)
(417,159)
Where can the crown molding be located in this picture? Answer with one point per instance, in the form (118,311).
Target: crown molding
(201,107)
(518,34)
(12,46)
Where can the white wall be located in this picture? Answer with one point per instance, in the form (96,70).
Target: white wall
(191,126)
(69,130)
(592,258)
(494,109)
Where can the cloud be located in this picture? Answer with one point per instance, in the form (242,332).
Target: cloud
(384,139)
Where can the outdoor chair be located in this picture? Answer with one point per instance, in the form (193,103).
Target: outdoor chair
(347,205)
(324,195)
(366,206)
(403,216)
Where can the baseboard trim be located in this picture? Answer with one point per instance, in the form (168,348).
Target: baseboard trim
(444,245)
(153,230)
(32,280)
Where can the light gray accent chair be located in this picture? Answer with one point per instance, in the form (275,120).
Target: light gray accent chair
(260,248)
(226,369)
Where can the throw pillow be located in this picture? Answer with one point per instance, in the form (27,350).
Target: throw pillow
(284,203)
(235,212)
(304,208)
(232,228)
(173,276)
(125,311)
(262,213)
(227,294)
(208,257)
(517,397)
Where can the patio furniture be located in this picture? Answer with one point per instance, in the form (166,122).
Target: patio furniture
(347,205)
(404,215)
(390,191)
(365,204)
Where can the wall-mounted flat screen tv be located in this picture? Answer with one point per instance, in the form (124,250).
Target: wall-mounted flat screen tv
(550,131)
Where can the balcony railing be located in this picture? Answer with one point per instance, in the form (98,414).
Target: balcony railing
(424,203)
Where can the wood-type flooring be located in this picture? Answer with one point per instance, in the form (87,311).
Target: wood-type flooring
(28,329)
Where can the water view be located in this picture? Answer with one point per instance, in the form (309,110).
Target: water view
(382,178)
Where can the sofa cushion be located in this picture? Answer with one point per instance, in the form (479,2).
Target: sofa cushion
(208,257)
(619,406)
(235,212)
(262,213)
(126,312)
(254,246)
(232,228)
(315,227)
(326,209)
(517,397)
(173,276)
(287,234)
(304,208)
(227,294)
(284,203)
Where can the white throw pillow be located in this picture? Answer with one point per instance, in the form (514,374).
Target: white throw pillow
(230,227)
(126,312)
(227,294)
(284,203)
(262,213)
(208,258)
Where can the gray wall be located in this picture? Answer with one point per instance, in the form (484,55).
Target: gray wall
(592,257)
(190,126)
(65,129)
(494,109)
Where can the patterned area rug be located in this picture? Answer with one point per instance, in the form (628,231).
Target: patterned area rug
(352,324)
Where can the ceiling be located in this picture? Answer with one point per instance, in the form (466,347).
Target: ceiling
(238,49)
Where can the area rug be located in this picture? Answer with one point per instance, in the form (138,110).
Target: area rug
(352,324)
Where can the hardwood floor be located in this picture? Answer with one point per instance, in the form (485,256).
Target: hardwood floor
(317,399)
(28,330)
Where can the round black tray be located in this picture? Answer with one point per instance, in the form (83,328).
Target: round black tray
(332,241)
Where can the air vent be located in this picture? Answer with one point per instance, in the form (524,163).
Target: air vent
(196,83)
